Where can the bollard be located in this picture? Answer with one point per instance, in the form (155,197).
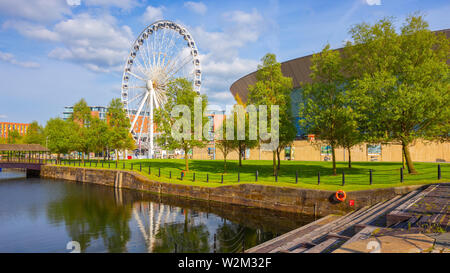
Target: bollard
(318,178)
(239,176)
(401,175)
(439,172)
(343,178)
(207,178)
(222,179)
(256,176)
(370,175)
(296,177)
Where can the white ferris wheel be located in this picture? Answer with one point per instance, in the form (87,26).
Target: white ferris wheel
(162,52)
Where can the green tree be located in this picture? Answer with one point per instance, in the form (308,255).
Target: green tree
(14,137)
(225,145)
(119,137)
(400,81)
(180,93)
(272,88)
(59,135)
(241,145)
(325,108)
(82,117)
(98,135)
(35,134)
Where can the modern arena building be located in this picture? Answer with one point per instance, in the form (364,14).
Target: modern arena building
(298,70)
(305,149)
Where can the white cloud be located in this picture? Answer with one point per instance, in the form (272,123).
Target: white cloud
(36,10)
(73,2)
(97,43)
(373,2)
(197,7)
(3,116)
(123,4)
(30,30)
(9,58)
(152,14)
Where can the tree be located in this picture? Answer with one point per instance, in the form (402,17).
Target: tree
(14,137)
(240,145)
(58,133)
(82,117)
(35,134)
(325,109)
(272,88)
(120,137)
(225,145)
(180,93)
(400,82)
(98,135)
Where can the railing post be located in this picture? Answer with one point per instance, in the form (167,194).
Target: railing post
(222,179)
(343,178)
(239,176)
(193,177)
(159,172)
(207,178)
(370,175)
(256,176)
(149,170)
(170,174)
(401,175)
(318,178)
(140,166)
(214,246)
(296,176)
(439,172)
(131,166)
(276,177)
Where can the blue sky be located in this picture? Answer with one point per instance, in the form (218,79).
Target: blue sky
(54,52)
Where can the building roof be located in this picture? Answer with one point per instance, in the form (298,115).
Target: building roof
(23,148)
(297,69)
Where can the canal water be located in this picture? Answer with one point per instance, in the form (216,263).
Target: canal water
(44,215)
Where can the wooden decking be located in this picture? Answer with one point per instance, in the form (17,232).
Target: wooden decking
(331,232)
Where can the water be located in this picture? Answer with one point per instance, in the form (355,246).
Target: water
(42,215)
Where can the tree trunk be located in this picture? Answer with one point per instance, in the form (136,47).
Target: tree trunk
(278,158)
(240,155)
(409,162)
(333,155)
(224,163)
(274,163)
(186,160)
(349,157)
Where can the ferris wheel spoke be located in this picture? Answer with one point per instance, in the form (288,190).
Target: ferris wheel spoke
(136,76)
(138,111)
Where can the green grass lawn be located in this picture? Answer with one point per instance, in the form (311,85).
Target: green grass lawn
(384,174)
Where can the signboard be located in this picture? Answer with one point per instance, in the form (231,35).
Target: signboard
(374,149)
(325,150)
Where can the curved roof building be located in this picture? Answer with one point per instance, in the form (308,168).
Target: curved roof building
(297,69)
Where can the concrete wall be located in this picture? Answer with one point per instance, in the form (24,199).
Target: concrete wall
(310,151)
(277,198)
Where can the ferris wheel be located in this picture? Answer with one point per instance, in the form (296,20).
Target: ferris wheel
(162,52)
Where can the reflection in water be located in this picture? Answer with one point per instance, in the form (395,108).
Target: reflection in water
(104,219)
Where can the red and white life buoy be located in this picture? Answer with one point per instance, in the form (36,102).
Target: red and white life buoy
(340,195)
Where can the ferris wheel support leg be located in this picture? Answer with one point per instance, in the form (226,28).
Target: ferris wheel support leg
(150,150)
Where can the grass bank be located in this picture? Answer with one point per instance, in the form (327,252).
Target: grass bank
(209,173)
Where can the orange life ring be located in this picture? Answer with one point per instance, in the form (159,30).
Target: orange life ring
(340,195)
